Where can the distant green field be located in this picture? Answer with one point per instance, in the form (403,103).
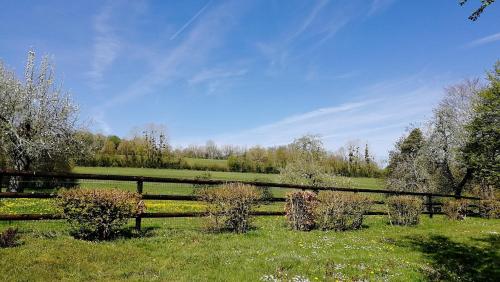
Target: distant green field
(206,162)
(358,182)
(14,206)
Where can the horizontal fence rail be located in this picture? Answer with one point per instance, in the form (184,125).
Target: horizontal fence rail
(140,180)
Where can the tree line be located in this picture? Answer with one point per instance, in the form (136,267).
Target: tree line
(150,148)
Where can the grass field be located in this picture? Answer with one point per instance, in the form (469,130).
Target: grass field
(206,162)
(180,250)
(15,206)
(358,182)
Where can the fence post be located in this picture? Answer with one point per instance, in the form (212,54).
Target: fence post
(430,206)
(138,217)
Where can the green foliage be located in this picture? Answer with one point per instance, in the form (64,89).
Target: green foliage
(97,214)
(404,210)
(300,210)
(489,208)
(306,165)
(341,211)
(229,206)
(456,209)
(9,238)
(407,169)
(482,150)
(475,15)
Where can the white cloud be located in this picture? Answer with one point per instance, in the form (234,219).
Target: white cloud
(190,21)
(484,40)
(105,47)
(379,6)
(215,74)
(378,116)
(183,59)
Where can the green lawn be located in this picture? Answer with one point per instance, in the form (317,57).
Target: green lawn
(358,182)
(206,162)
(180,250)
(14,206)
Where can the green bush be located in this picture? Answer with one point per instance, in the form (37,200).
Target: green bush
(456,209)
(9,238)
(489,208)
(341,210)
(300,208)
(96,214)
(229,206)
(404,210)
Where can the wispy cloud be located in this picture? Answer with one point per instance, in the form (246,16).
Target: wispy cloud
(393,104)
(215,79)
(105,47)
(183,59)
(214,74)
(484,40)
(324,20)
(190,21)
(379,6)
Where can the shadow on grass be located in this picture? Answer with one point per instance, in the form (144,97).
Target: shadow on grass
(131,232)
(453,261)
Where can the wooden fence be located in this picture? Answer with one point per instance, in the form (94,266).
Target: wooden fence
(140,180)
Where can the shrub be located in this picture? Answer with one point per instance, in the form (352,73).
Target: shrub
(9,238)
(229,206)
(341,210)
(489,208)
(456,209)
(299,209)
(404,210)
(98,214)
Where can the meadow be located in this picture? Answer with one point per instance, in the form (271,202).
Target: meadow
(181,250)
(13,206)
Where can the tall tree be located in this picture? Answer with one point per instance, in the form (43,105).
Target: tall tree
(407,164)
(447,135)
(38,120)
(481,152)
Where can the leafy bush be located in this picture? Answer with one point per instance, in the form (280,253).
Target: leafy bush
(341,210)
(9,238)
(229,206)
(489,208)
(404,210)
(98,214)
(300,208)
(456,209)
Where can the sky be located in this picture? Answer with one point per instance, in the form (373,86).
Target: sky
(257,72)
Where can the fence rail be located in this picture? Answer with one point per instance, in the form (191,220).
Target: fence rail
(140,180)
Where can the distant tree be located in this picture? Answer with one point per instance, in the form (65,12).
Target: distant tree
(475,15)
(306,164)
(481,152)
(38,120)
(157,147)
(407,165)
(367,155)
(115,139)
(212,151)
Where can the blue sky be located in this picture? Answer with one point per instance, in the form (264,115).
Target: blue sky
(255,72)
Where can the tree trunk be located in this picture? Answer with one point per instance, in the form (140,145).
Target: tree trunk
(17,183)
(460,186)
